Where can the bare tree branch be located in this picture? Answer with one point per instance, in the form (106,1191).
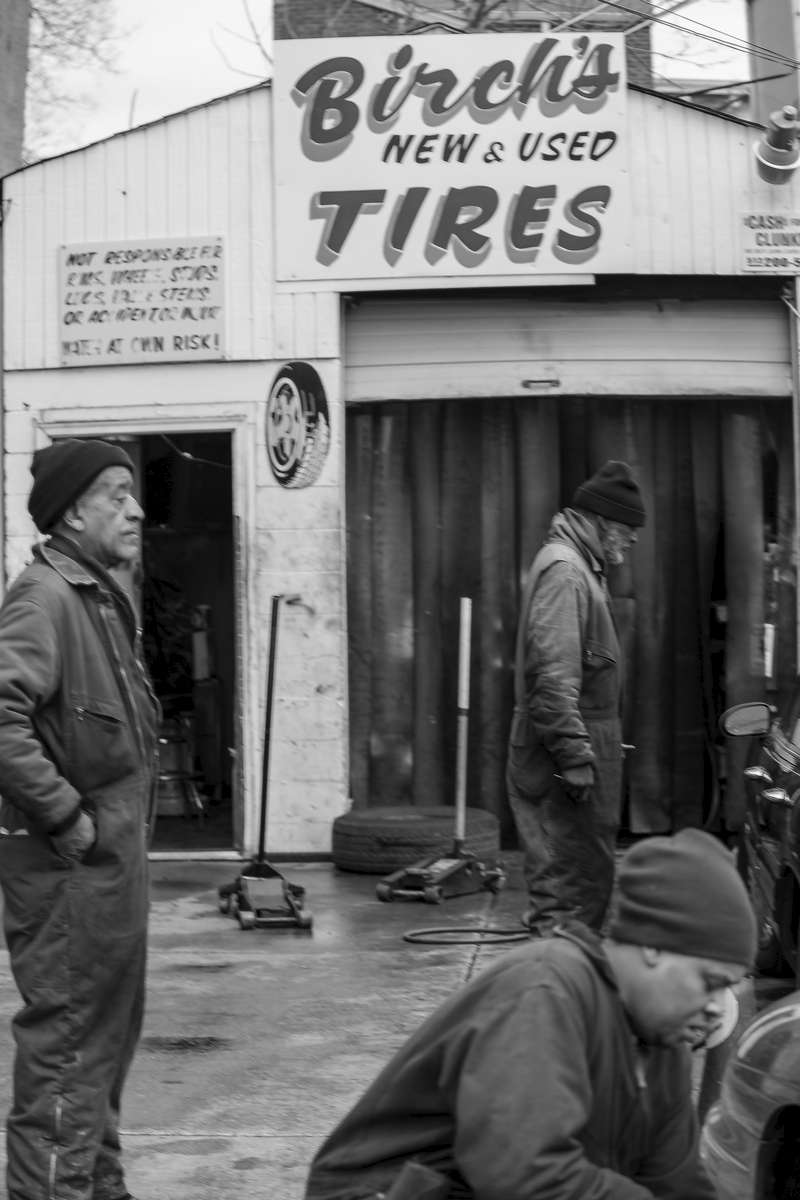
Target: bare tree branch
(231,66)
(255,39)
(65,39)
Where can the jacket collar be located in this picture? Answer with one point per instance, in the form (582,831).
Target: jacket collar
(573,528)
(67,559)
(591,945)
(70,569)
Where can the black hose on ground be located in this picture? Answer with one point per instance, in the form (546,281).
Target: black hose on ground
(480,936)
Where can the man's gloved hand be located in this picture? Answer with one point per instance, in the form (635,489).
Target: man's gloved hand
(76,842)
(578,782)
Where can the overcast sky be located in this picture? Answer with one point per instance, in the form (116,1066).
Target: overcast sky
(172,55)
(178,53)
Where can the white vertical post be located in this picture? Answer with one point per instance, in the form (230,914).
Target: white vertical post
(464,642)
(794,343)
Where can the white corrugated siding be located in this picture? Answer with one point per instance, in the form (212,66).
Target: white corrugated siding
(692,175)
(205,172)
(208,172)
(462,345)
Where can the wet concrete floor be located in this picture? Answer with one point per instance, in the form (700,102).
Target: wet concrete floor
(256,1042)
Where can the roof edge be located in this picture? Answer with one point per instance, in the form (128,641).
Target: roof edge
(180,112)
(682,103)
(267,83)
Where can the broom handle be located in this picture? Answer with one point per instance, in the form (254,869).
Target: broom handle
(464,639)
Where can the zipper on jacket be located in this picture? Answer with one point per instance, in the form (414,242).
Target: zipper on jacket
(640,1075)
(57,1115)
(128,689)
(639,1072)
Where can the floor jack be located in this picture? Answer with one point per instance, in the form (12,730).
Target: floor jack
(460,873)
(260,896)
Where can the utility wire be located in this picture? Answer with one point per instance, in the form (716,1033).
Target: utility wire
(716,36)
(729,42)
(742,42)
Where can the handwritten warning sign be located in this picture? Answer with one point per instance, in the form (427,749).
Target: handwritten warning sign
(141,301)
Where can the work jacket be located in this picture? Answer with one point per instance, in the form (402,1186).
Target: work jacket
(78,730)
(527,1083)
(77,714)
(568,671)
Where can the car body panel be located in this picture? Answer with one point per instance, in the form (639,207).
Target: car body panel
(742,1139)
(769,846)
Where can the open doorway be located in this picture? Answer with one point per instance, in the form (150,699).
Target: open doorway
(186,601)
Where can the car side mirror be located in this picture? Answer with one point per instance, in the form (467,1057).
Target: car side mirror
(747,720)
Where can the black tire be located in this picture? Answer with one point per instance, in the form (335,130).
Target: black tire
(377,841)
(297,425)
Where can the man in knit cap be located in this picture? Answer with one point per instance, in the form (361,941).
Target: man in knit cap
(78,737)
(564,765)
(563,1069)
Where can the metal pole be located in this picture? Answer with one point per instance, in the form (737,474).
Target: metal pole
(464,640)
(273,635)
(794,342)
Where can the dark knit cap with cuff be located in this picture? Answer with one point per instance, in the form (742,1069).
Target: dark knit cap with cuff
(63,471)
(612,492)
(683,894)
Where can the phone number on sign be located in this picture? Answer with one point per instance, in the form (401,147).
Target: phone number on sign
(758,262)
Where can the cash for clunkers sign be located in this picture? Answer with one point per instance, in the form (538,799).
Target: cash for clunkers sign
(160,300)
(450,155)
(770,243)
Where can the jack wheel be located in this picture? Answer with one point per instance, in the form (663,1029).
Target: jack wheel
(305,920)
(247,918)
(433,895)
(384,892)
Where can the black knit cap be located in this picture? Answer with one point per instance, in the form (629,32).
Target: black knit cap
(63,471)
(684,894)
(612,492)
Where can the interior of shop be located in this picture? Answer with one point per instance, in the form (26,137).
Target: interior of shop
(186,602)
(451,498)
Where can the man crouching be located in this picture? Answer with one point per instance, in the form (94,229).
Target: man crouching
(562,1071)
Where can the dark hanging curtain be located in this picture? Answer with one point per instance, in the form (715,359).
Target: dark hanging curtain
(452,498)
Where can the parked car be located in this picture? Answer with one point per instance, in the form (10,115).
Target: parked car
(769,843)
(751,1137)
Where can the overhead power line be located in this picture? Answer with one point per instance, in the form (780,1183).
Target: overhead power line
(701,30)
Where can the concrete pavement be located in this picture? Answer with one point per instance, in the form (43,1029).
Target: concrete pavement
(255,1043)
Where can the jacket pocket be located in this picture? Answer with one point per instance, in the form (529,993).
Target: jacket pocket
(598,655)
(600,689)
(99,746)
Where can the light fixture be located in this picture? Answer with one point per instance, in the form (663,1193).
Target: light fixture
(778,153)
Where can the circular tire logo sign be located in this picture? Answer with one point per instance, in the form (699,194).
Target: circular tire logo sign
(298,428)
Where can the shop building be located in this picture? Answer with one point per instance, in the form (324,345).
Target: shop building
(361,356)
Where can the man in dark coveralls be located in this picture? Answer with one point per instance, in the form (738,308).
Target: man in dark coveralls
(78,738)
(562,1070)
(564,767)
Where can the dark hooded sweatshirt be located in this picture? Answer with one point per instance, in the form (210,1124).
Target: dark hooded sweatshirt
(528,1084)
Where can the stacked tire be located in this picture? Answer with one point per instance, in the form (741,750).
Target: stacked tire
(377,841)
